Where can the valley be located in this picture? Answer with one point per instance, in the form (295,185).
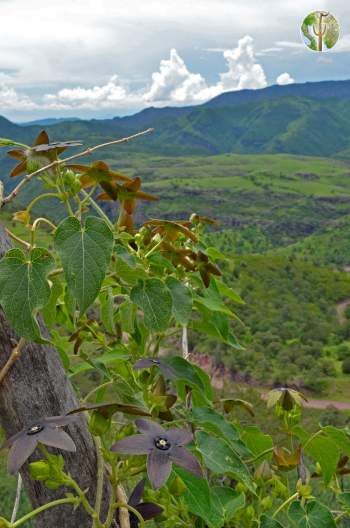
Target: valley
(272,167)
(284,225)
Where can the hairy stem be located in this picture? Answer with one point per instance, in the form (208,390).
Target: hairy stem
(15,354)
(286,503)
(36,224)
(56,163)
(30,515)
(95,389)
(98,209)
(111,509)
(132,510)
(17,239)
(85,503)
(41,197)
(263,453)
(100,478)
(154,248)
(312,438)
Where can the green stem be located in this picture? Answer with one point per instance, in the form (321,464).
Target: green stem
(95,389)
(30,515)
(286,503)
(98,209)
(68,206)
(84,201)
(17,239)
(154,248)
(132,510)
(61,188)
(70,482)
(35,225)
(120,216)
(340,516)
(100,477)
(312,438)
(41,197)
(111,509)
(85,503)
(55,272)
(263,453)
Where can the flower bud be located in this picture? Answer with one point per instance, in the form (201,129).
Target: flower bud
(39,470)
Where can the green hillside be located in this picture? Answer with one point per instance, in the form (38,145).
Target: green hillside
(270,200)
(284,220)
(285,198)
(302,119)
(290,329)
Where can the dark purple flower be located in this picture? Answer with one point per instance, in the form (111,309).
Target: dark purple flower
(147,510)
(163,447)
(46,431)
(166,370)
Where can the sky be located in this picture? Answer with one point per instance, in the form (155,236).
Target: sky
(94,59)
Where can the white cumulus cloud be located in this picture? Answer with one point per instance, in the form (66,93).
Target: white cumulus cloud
(106,96)
(174,82)
(284,78)
(243,70)
(11,100)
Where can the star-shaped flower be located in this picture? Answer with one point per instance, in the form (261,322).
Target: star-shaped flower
(127,194)
(46,431)
(172,229)
(206,268)
(97,172)
(163,447)
(42,152)
(166,370)
(147,510)
(286,398)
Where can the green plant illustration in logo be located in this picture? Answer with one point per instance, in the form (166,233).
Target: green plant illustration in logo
(320,31)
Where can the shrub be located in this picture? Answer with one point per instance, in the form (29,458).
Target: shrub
(346,366)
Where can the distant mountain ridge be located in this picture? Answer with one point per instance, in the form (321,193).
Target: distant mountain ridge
(339,90)
(48,121)
(306,119)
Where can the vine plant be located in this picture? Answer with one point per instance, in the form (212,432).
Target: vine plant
(118,301)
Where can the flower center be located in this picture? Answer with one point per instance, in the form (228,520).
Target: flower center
(162,443)
(35,429)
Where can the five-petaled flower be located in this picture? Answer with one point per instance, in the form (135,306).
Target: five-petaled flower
(163,447)
(147,510)
(46,431)
(286,398)
(166,370)
(42,152)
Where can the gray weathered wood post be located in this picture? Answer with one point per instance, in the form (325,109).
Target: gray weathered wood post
(37,386)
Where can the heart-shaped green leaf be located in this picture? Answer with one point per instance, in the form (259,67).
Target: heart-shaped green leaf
(222,460)
(267,522)
(182,300)
(24,288)
(227,501)
(197,497)
(154,298)
(314,515)
(257,442)
(85,251)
